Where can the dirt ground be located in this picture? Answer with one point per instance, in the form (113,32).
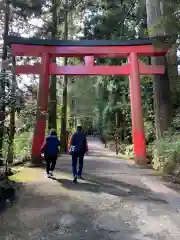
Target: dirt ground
(117,201)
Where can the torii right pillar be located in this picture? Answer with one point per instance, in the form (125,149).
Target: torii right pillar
(136,111)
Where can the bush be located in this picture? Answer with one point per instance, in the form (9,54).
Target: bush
(149,131)
(129,150)
(111,146)
(122,148)
(166,153)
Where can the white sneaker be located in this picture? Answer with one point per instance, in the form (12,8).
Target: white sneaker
(51,173)
(48,175)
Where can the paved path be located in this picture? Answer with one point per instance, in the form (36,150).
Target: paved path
(117,201)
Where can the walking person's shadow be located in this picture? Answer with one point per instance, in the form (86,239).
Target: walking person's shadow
(96,184)
(80,186)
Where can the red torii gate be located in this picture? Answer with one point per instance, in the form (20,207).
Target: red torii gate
(47,49)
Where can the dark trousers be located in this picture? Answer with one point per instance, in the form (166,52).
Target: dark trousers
(75,157)
(50,162)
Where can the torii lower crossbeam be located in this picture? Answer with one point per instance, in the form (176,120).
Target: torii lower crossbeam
(88,49)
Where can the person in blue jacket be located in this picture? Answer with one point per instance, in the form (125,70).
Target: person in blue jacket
(50,148)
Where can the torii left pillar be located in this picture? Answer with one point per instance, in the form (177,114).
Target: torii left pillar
(42,107)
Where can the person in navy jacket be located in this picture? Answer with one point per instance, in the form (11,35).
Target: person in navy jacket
(50,148)
(78,147)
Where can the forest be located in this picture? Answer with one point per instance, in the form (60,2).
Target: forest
(98,102)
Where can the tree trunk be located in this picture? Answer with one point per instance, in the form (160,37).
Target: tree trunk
(161,84)
(65,83)
(52,123)
(64,114)
(162,101)
(2,84)
(12,118)
(172,60)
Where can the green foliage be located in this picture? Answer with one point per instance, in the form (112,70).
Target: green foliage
(113,103)
(81,99)
(27,115)
(176,120)
(166,153)
(149,131)
(28,8)
(23,144)
(129,150)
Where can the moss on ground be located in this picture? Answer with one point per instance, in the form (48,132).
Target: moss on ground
(28,175)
